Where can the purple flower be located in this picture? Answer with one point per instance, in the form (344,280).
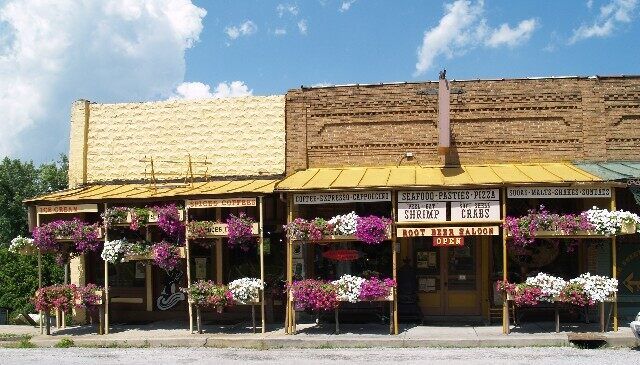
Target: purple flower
(165,255)
(372,230)
(240,231)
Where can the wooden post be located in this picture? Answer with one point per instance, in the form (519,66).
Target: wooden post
(106,282)
(262,301)
(337,321)
(602,326)
(48,322)
(219,272)
(188,254)
(288,314)
(253,317)
(148,282)
(101,319)
(614,268)
(505,304)
(198,319)
(394,315)
(39,271)
(557,315)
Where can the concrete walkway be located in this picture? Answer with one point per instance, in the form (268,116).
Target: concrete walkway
(176,334)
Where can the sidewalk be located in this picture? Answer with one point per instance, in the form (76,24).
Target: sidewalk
(176,334)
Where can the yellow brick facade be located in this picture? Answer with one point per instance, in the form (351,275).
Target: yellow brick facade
(241,136)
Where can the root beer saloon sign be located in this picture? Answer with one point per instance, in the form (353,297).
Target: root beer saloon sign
(475,205)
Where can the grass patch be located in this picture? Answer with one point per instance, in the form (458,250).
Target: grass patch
(25,344)
(64,343)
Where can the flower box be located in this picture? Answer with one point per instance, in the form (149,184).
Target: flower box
(594,234)
(218,230)
(628,228)
(182,253)
(97,293)
(153,218)
(388,298)
(70,239)
(346,237)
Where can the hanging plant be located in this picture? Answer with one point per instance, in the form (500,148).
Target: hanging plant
(240,231)
(89,296)
(344,224)
(114,251)
(314,295)
(165,255)
(115,215)
(201,229)
(169,221)
(139,217)
(22,245)
(60,297)
(372,230)
(246,290)
(84,238)
(303,230)
(376,289)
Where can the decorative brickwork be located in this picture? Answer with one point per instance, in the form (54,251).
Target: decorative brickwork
(492,121)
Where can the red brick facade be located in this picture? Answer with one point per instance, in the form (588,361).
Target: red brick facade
(492,121)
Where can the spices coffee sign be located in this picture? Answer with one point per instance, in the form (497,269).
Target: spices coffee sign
(475,205)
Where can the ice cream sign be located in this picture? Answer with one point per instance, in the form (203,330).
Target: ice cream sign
(470,205)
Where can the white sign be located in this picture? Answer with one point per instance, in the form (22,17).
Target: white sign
(422,212)
(67,209)
(341,198)
(448,195)
(222,230)
(448,231)
(488,210)
(558,192)
(221,203)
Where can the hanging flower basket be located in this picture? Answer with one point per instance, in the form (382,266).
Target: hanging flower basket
(240,231)
(371,230)
(23,246)
(206,294)
(67,238)
(246,290)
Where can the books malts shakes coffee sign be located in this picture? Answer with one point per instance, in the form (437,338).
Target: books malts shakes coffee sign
(475,205)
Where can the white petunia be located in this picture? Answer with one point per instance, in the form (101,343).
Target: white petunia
(246,290)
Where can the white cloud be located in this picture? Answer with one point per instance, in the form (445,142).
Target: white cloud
(512,36)
(198,90)
(280,31)
(462,28)
(346,5)
(589,4)
(282,9)
(55,51)
(302,27)
(245,29)
(610,16)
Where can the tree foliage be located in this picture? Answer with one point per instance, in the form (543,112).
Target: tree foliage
(19,274)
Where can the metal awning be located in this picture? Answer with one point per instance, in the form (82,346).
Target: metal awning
(612,170)
(111,192)
(435,176)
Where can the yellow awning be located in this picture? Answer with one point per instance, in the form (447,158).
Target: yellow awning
(435,176)
(109,192)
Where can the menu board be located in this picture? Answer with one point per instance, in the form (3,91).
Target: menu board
(465,205)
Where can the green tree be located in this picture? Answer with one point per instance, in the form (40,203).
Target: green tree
(19,274)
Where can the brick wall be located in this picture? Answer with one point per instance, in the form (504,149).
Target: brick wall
(537,120)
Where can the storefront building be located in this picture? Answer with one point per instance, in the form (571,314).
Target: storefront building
(371,151)
(515,145)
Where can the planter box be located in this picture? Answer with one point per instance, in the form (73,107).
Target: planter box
(153,218)
(628,228)
(342,238)
(182,253)
(220,230)
(70,239)
(100,295)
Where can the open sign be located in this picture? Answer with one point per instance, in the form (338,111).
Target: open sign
(447,241)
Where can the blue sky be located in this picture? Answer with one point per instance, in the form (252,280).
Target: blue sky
(55,51)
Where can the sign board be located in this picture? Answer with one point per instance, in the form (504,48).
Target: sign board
(221,203)
(342,198)
(222,229)
(422,212)
(448,231)
(447,241)
(67,209)
(558,192)
(472,205)
(475,210)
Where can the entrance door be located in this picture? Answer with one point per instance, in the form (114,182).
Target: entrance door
(449,277)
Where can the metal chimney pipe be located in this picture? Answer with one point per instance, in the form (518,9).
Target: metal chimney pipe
(444,125)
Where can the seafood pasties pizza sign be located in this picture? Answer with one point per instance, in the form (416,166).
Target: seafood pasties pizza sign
(473,205)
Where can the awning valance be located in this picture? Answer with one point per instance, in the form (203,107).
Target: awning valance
(435,176)
(110,192)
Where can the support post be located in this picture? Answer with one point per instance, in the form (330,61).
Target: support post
(289,303)
(602,326)
(262,301)
(188,254)
(614,267)
(505,304)
(253,317)
(148,282)
(219,271)
(557,316)
(337,321)
(106,282)
(40,319)
(394,239)
(198,319)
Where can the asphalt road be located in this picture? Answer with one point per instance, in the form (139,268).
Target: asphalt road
(449,356)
